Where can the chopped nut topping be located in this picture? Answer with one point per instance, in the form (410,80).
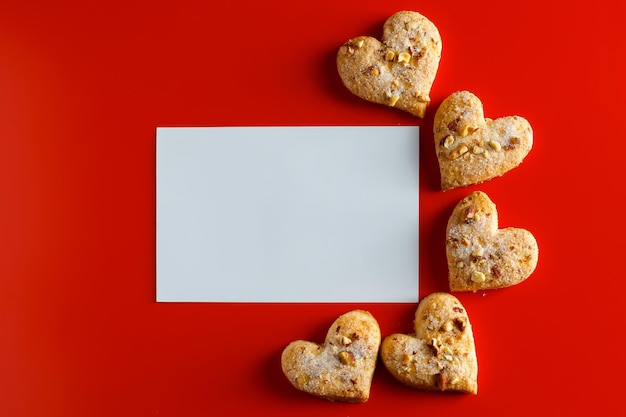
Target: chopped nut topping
(346,341)
(477,150)
(411,25)
(423,98)
(346,358)
(406,358)
(515,140)
(375,72)
(479,251)
(303,379)
(447,326)
(389,56)
(478,277)
(478,259)
(495,145)
(495,271)
(448,141)
(434,344)
(468,130)
(460,151)
(393,100)
(460,265)
(404,58)
(470,214)
(441,381)
(359,43)
(460,323)
(453,124)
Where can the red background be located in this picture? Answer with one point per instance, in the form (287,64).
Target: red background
(83,85)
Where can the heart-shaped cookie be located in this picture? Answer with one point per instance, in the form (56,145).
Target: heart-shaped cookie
(481,256)
(397,72)
(343,367)
(441,354)
(471,149)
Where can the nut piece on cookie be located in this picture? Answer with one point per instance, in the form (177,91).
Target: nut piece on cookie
(472,149)
(440,355)
(481,256)
(398,71)
(342,368)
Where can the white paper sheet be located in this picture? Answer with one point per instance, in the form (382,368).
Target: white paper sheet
(287,214)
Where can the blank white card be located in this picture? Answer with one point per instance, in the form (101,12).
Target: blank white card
(287,214)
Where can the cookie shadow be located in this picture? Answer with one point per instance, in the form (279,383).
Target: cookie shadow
(434,267)
(277,384)
(430,178)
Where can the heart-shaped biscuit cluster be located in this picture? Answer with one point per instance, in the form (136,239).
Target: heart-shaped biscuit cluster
(343,367)
(481,256)
(471,149)
(441,354)
(398,71)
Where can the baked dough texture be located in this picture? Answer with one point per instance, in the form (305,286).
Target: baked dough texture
(398,71)
(472,149)
(342,368)
(440,355)
(481,256)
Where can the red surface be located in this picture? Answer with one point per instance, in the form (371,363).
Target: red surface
(82,88)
